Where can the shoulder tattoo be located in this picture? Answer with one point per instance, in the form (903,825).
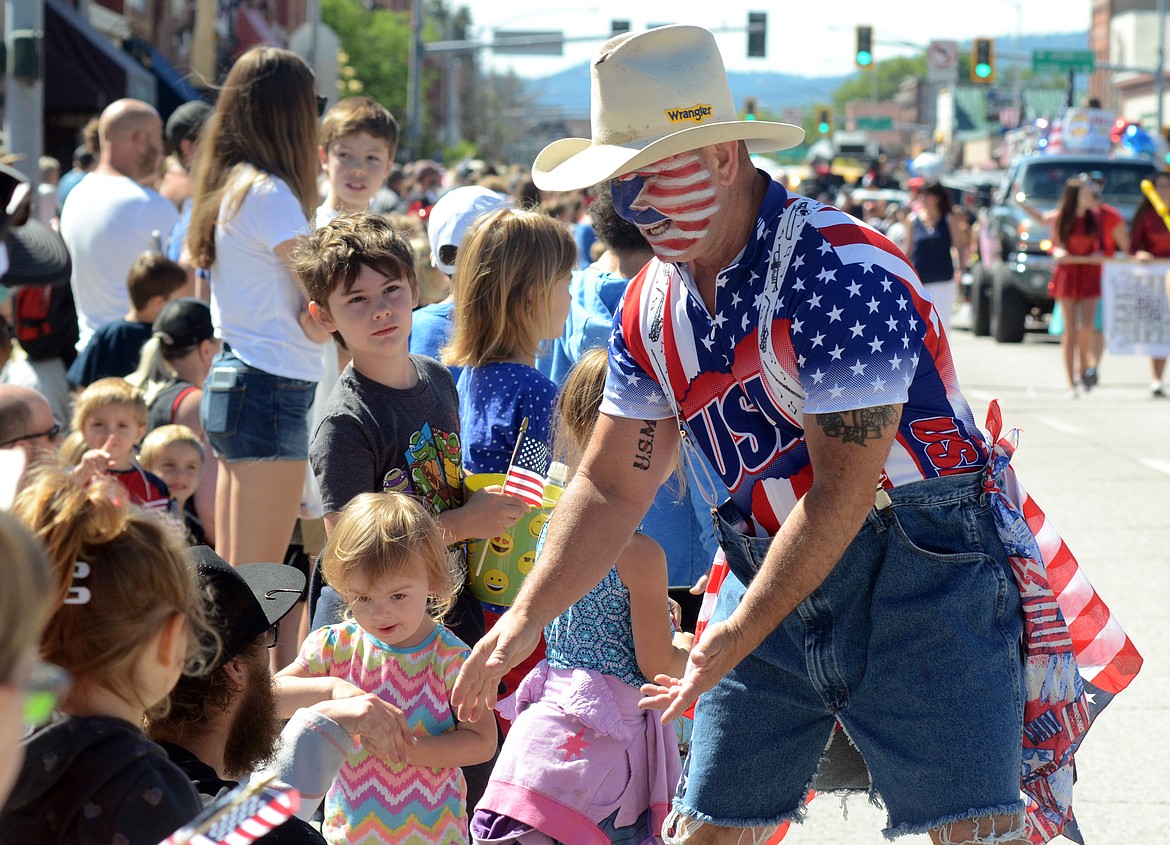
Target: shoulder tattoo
(860,425)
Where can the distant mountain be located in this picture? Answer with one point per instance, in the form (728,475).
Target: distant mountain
(567,93)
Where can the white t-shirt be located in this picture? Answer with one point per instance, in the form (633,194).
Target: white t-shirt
(107,222)
(255,301)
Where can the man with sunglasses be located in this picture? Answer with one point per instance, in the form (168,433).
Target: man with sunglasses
(27,422)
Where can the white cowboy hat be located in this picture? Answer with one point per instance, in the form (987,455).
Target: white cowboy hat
(654,94)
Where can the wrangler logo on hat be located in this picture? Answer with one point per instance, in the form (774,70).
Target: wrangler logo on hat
(695,113)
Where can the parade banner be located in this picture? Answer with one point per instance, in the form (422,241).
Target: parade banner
(1135,308)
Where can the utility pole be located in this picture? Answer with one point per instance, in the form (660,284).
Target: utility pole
(24,104)
(1160,78)
(1017,75)
(203,43)
(414,89)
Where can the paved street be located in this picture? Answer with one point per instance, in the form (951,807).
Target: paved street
(1100,468)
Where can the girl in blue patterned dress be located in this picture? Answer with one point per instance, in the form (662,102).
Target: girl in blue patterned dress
(582,763)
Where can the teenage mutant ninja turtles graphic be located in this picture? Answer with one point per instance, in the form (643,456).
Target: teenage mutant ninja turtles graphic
(433,471)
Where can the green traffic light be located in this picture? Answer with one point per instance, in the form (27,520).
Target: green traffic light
(983,71)
(864,58)
(823,128)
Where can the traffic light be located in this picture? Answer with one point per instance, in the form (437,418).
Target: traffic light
(617,27)
(750,105)
(983,60)
(824,120)
(757,34)
(863,57)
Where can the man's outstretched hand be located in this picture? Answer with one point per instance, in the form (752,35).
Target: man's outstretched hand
(717,653)
(505,645)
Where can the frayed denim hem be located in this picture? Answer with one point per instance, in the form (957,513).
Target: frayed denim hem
(682,822)
(1014,809)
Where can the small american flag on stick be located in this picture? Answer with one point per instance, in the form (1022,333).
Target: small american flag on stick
(241,816)
(525,478)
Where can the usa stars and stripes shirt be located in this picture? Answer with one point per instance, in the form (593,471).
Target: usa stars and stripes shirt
(834,320)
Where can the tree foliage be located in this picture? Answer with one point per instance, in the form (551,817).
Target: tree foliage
(890,74)
(377,43)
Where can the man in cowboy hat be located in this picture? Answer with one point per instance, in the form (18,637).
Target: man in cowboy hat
(869,587)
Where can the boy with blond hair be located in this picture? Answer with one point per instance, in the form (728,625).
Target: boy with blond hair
(110,414)
(175,454)
(359,138)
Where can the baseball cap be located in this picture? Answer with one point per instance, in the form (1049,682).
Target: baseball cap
(186,121)
(244,601)
(452,216)
(183,323)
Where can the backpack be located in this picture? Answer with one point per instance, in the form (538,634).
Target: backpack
(44,321)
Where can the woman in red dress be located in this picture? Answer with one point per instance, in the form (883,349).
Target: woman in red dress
(1078,247)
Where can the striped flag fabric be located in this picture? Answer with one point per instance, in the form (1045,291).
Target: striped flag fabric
(241,816)
(529,465)
(1076,655)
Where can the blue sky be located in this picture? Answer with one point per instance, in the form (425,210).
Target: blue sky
(798,42)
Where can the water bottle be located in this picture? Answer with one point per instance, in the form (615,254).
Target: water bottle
(554,483)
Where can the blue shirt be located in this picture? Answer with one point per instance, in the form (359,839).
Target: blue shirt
(493,400)
(840,322)
(113,350)
(596,633)
(430,330)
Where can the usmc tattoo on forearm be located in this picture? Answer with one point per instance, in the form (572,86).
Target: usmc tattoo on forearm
(858,426)
(645,445)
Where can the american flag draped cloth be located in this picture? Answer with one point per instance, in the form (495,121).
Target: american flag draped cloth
(243,815)
(1076,656)
(525,477)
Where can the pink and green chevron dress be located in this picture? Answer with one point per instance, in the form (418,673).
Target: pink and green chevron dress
(373,801)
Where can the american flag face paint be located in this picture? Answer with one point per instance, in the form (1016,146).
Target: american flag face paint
(672,202)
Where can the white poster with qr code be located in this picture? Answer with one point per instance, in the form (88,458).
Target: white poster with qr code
(1135,307)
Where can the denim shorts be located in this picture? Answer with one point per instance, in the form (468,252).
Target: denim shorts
(251,415)
(912,644)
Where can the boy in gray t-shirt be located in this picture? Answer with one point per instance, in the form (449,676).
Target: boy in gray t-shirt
(393,421)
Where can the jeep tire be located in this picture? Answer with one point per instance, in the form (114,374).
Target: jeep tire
(980,302)
(1009,308)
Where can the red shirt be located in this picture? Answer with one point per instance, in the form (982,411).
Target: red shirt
(1150,233)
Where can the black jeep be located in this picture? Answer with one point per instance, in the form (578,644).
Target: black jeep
(1009,284)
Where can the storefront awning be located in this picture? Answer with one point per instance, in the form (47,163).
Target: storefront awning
(174,89)
(84,72)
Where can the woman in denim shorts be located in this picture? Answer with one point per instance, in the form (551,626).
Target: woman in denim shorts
(256,190)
